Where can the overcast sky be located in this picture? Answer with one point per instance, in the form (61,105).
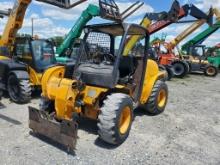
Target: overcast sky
(52,21)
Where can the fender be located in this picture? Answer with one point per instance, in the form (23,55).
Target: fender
(20,74)
(151,76)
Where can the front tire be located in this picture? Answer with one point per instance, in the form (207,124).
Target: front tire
(158,99)
(115,119)
(19,90)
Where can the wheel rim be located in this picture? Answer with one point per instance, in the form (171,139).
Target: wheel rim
(125,120)
(161,98)
(178,69)
(210,71)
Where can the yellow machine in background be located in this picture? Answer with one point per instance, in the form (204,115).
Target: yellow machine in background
(184,64)
(24,59)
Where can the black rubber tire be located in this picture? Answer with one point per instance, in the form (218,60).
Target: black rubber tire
(180,69)
(214,69)
(19,90)
(108,119)
(152,106)
(187,66)
(170,72)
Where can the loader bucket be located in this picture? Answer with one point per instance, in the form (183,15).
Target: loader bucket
(66,4)
(64,132)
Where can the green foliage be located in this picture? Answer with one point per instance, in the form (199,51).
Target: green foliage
(58,40)
(23,35)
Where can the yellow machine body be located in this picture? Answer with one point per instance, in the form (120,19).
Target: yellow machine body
(194,59)
(35,78)
(4,58)
(65,93)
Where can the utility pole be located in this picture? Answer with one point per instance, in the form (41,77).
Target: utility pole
(32,27)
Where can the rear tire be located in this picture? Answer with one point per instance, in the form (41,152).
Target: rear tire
(181,69)
(115,119)
(19,90)
(158,99)
(211,71)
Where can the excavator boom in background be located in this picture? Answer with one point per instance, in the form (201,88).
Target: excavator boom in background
(173,16)
(201,37)
(212,54)
(181,65)
(165,19)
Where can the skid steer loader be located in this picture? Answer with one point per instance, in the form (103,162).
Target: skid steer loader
(105,86)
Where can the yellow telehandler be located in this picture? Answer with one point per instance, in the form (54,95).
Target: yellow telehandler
(104,85)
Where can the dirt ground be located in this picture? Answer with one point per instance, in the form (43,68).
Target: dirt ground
(188,132)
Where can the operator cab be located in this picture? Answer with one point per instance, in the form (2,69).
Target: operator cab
(198,51)
(38,53)
(102,61)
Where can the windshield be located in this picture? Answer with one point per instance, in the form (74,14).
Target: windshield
(43,53)
(197,51)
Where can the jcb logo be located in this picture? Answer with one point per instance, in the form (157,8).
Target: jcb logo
(14,8)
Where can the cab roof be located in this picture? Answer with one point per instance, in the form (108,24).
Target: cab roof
(118,29)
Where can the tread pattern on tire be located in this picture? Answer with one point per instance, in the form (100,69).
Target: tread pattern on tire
(24,90)
(107,119)
(25,87)
(151,105)
(186,68)
(170,73)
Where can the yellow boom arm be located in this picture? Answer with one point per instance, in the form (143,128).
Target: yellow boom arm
(134,39)
(14,23)
(190,30)
(17,14)
(185,33)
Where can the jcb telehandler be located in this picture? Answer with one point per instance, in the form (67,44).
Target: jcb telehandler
(105,86)
(23,60)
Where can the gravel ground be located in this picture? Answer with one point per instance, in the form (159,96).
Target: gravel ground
(188,132)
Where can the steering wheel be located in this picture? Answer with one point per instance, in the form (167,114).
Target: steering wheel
(109,58)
